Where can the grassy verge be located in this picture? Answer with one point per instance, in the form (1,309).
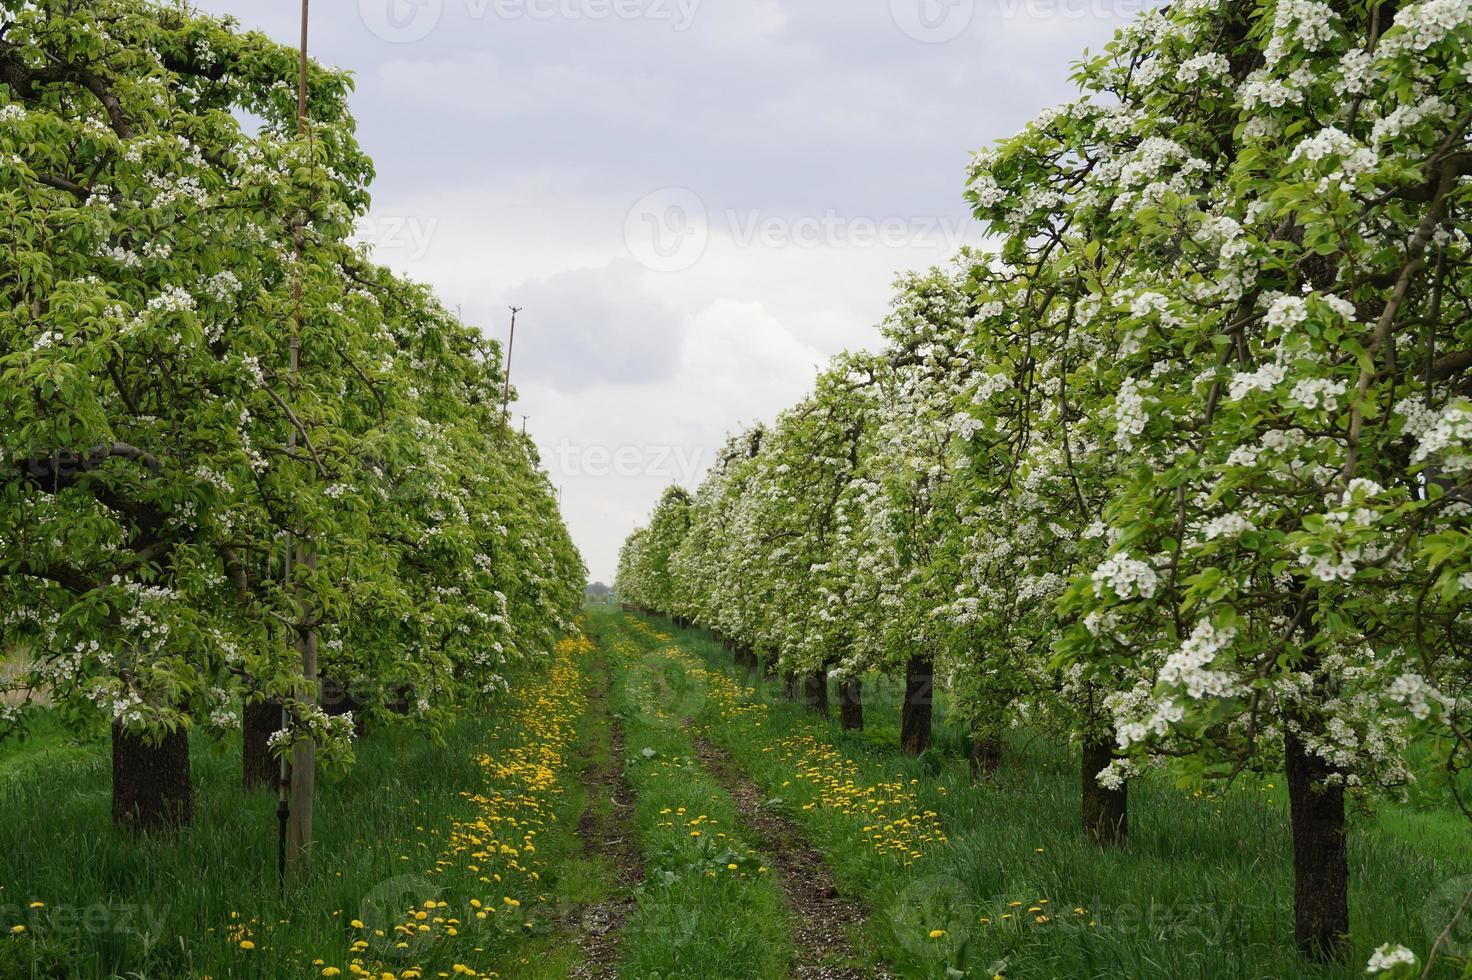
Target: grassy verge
(454,859)
(997,878)
(708,907)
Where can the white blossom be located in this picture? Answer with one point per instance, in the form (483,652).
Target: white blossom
(1126,577)
(1388,957)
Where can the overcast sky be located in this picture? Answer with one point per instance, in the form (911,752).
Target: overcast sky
(696,202)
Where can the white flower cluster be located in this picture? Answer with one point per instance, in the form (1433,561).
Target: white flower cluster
(1308,22)
(1413,691)
(124,257)
(1449,436)
(1405,117)
(1210,65)
(1126,577)
(222,286)
(1147,161)
(1189,666)
(174,299)
(1388,957)
(1227,526)
(1261,89)
(1420,25)
(1138,715)
(1286,312)
(988,386)
(1354,157)
(1265,378)
(1130,415)
(1317,393)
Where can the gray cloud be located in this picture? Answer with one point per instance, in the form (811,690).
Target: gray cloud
(595,326)
(510,150)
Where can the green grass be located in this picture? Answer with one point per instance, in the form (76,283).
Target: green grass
(696,917)
(176,905)
(1204,888)
(48,744)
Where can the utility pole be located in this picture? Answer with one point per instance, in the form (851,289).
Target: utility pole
(523,425)
(510,346)
(299,779)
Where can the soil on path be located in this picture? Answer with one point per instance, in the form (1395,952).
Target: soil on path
(604,829)
(823,920)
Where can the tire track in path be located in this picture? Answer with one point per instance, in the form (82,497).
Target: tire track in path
(822,919)
(605,830)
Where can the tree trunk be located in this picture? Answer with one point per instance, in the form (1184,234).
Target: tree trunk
(851,703)
(986,755)
(260,769)
(815,691)
(150,780)
(919,701)
(1320,859)
(1106,811)
(791,686)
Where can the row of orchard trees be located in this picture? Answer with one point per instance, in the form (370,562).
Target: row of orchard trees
(1182,470)
(232,445)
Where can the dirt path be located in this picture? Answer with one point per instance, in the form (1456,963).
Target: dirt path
(822,919)
(605,831)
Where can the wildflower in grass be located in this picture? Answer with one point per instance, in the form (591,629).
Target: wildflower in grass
(938,934)
(17,930)
(246,944)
